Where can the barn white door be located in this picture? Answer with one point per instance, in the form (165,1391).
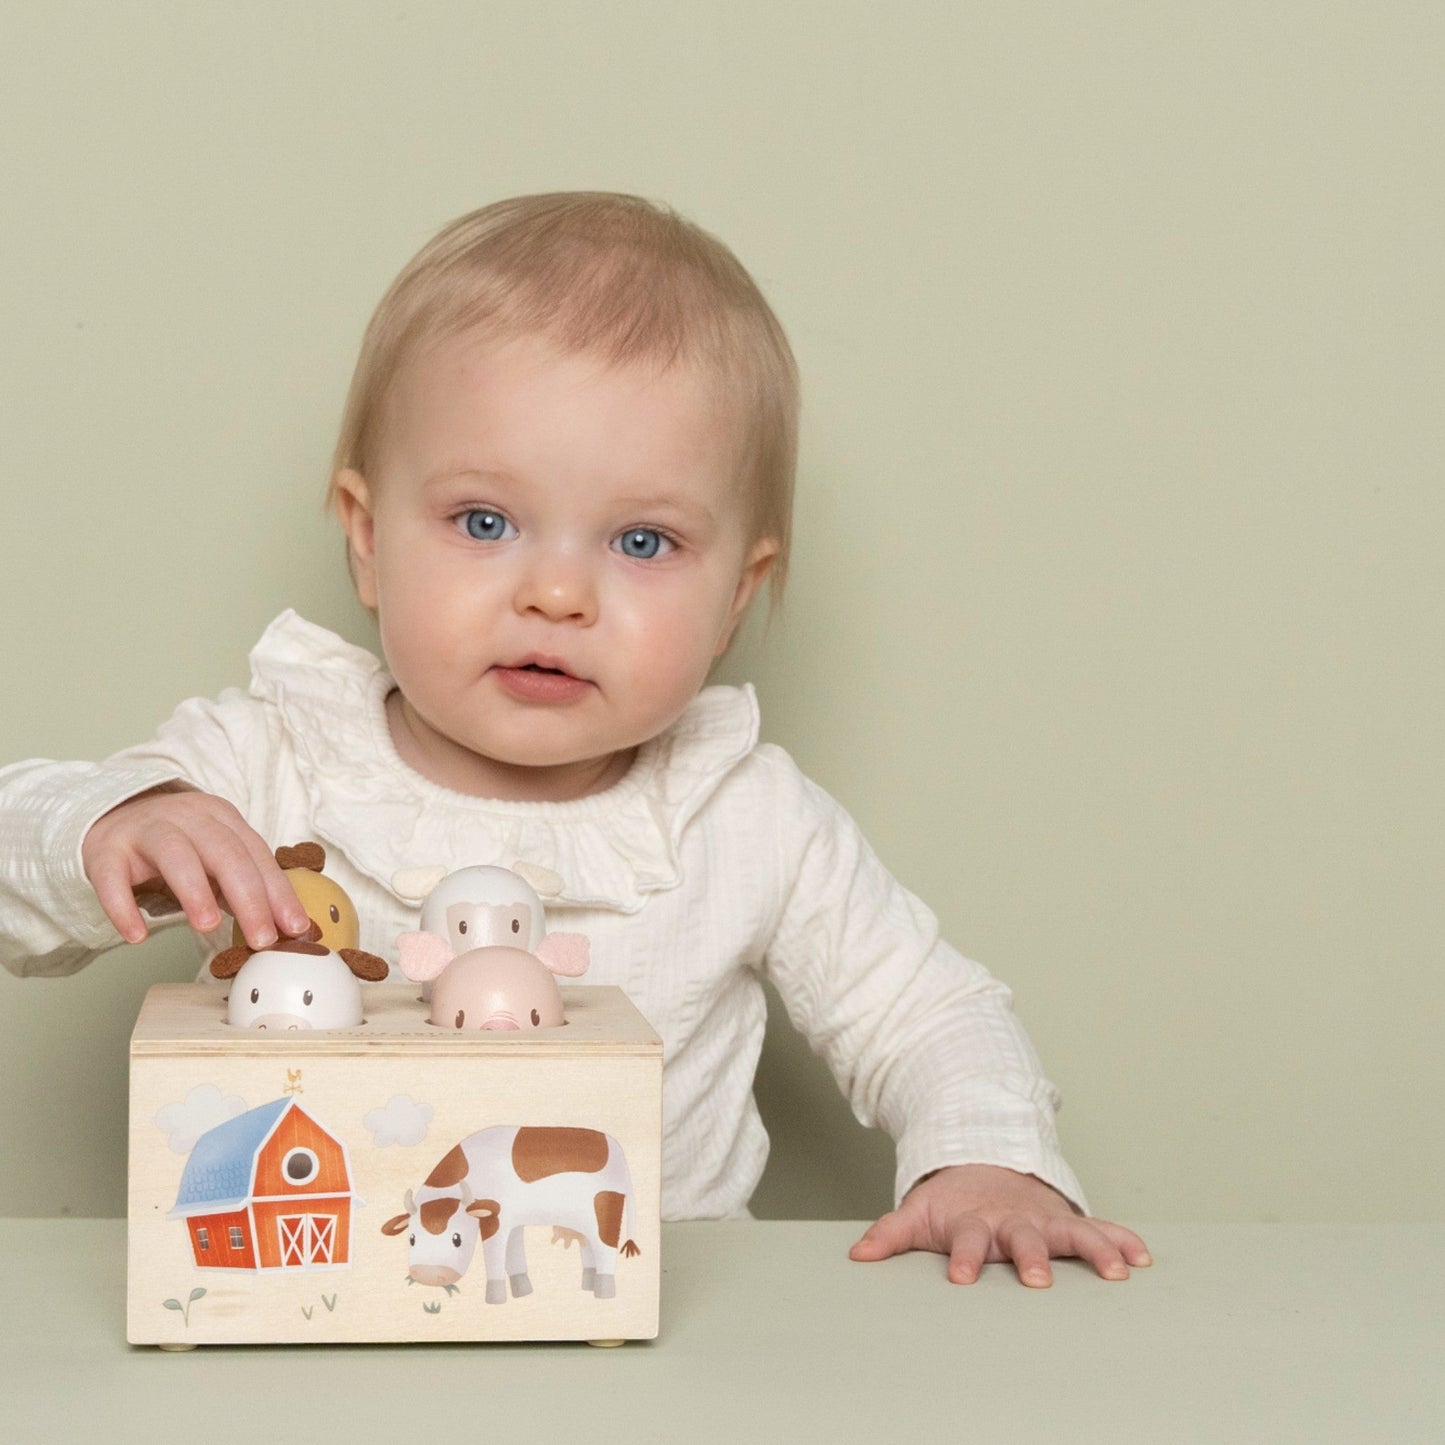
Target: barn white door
(321,1238)
(307,1239)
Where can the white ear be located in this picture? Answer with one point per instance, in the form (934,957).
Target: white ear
(544,881)
(414,884)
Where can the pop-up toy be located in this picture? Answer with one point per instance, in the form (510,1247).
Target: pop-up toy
(278,1125)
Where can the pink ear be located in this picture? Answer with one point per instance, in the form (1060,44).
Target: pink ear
(565,953)
(422,955)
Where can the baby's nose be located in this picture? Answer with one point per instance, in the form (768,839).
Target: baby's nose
(561,588)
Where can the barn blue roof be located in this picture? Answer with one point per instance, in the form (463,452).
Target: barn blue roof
(218,1173)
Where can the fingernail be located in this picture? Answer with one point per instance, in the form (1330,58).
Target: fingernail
(1037,1276)
(1144,1260)
(265,938)
(1116,1271)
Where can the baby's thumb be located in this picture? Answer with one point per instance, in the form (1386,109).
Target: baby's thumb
(890,1235)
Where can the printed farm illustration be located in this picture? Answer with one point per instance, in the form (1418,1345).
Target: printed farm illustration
(497,1181)
(269,1189)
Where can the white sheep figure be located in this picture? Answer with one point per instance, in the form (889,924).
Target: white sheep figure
(482,907)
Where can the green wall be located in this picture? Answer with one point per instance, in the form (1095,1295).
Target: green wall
(1116,609)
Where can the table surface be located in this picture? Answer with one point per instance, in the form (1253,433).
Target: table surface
(1238,1333)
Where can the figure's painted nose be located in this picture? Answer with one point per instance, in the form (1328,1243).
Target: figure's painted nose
(501,1021)
(439,1275)
(280,1021)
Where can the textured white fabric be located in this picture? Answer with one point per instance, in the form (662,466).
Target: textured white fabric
(714,862)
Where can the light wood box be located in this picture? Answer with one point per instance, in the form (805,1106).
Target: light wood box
(277,1158)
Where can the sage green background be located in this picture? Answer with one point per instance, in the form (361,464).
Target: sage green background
(1116,610)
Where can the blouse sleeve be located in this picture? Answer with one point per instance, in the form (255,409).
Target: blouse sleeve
(922,1041)
(51,922)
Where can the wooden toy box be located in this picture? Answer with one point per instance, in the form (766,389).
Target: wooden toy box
(281,1184)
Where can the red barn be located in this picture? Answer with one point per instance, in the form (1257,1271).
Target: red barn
(269,1189)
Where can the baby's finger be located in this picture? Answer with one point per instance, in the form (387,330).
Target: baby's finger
(111,881)
(230,861)
(890,1235)
(1134,1250)
(1024,1243)
(286,908)
(971,1240)
(1083,1238)
(176,860)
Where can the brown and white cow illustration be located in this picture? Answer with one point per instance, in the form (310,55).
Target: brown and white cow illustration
(496,1182)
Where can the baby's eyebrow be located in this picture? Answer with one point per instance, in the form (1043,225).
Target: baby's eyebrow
(661,506)
(448,475)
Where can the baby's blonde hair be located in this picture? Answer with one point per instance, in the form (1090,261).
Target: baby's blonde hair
(610,275)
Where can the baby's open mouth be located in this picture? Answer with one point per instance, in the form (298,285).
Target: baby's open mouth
(541,680)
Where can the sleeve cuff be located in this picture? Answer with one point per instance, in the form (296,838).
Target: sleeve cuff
(1023,1153)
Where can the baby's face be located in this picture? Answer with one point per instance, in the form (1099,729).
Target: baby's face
(556,550)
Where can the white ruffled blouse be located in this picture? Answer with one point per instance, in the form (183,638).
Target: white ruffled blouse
(712,864)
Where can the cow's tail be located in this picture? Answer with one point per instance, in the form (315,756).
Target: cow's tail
(629,1249)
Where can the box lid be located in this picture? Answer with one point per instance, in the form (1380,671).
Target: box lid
(190,1018)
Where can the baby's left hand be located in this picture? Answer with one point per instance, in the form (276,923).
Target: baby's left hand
(978,1213)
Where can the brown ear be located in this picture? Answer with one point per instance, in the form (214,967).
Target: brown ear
(364,965)
(396,1224)
(227,963)
(303,855)
(299,945)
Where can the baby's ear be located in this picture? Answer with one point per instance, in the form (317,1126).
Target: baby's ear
(352,499)
(756,566)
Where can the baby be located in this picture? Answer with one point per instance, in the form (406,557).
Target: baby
(565,469)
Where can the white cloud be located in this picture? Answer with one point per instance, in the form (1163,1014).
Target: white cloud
(205,1107)
(402,1121)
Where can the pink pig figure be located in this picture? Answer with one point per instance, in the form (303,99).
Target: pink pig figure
(496,988)
(493,911)
(478,907)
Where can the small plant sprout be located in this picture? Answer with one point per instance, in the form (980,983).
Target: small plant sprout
(184,1310)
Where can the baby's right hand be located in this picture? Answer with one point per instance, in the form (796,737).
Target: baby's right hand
(205,853)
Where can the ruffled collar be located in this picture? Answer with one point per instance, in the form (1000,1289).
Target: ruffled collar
(610,850)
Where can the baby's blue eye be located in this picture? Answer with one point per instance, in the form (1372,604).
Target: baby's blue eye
(483,525)
(643,543)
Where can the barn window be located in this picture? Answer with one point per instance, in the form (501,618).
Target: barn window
(203,1237)
(300,1166)
(237,1239)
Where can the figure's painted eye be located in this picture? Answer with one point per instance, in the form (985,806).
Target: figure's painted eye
(335,914)
(462,926)
(536,1018)
(643,543)
(255,995)
(461,1015)
(411,1240)
(516,925)
(482,524)
(456,1241)
(306,998)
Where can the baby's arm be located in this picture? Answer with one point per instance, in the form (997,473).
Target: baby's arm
(924,1043)
(52,920)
